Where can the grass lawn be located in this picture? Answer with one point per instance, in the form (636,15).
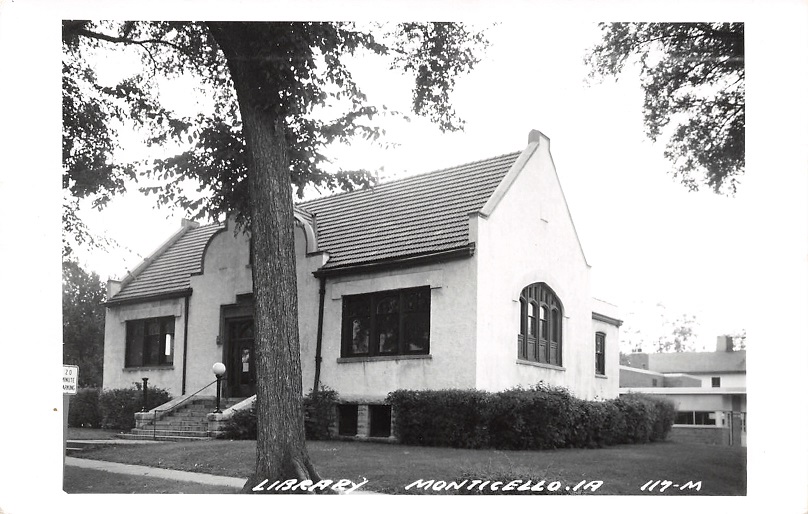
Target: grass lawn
(78,480)
(90,433)
(389,468)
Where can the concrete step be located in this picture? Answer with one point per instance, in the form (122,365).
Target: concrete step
(169,432)
(159,437)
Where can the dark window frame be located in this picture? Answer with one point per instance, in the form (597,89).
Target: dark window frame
(695,418)
(364,310)
(715,381)
(545,345)
(140,343)
(600,353)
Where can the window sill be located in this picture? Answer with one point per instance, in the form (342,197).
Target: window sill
(697,426)
(598,375)
(382,358)
(541,365)
(149,368)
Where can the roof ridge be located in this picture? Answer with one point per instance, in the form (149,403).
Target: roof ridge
(399,180)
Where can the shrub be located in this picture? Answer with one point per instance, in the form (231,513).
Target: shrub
(440,418)
(84,409)
(542,417)
(242,425)
(319,413)
(118,406)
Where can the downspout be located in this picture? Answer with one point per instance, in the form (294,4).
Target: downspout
(317,353)
(185,344)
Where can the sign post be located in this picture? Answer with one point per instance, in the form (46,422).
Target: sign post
(70,386)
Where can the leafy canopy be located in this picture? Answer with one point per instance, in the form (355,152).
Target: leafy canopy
(693,78)
(307,81)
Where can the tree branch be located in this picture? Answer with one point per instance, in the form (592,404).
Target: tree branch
(124,40)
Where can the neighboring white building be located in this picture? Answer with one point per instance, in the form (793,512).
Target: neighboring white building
(708,389)
(467,277)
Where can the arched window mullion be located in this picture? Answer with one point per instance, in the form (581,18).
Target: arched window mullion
(541,325)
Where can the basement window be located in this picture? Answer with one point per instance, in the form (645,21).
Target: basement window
(380,420)
(348,419)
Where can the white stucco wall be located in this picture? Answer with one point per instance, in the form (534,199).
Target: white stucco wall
(529,237)
(225,274)
(450,363)
(727,379)
(116,375)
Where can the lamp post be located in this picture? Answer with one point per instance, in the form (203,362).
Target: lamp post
(218,370)
(145,395)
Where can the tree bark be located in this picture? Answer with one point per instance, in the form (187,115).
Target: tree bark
(281,450)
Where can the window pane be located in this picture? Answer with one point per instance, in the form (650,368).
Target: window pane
(152,349)
(134,343)
(415,332)
(357,306)
(360,335)
(531,319)
(543,322)
(415,301)
(387,332)
(387,305)
(522,316)
(153,327)
(556,317)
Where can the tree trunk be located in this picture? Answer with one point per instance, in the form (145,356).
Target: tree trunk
(281,450)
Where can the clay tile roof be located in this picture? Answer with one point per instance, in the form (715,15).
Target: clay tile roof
(170,272)
(411,216)
(415,215)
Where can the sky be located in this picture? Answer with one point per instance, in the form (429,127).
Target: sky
(739,261)
(650,241)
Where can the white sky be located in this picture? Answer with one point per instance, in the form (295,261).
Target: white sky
(736,261)
(648,240)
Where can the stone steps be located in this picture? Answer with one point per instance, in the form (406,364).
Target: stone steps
(186,423)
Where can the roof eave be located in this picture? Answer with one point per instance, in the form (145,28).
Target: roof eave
(182,293)
(462,252)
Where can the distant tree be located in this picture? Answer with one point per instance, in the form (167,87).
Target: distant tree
(681,336)
(270,84)
(693,78)
(83,322)
(652,329)
(738,339)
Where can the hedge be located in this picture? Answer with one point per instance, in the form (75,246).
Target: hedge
(84,410)
(541,417)
(118,406)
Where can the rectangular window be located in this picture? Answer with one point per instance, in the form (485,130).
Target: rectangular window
(150,342)
(716,381)
(600,353)
(386,323)
(695,418)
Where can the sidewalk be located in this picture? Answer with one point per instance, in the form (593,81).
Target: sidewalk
(169,474)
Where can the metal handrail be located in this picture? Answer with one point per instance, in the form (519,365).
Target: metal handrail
(173,407)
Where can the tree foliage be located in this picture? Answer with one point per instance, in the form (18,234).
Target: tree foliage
(312,87)
(693,78)
(83,322)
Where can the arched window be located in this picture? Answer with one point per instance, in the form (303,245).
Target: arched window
(540,325)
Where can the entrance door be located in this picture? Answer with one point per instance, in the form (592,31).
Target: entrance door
(240,358)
